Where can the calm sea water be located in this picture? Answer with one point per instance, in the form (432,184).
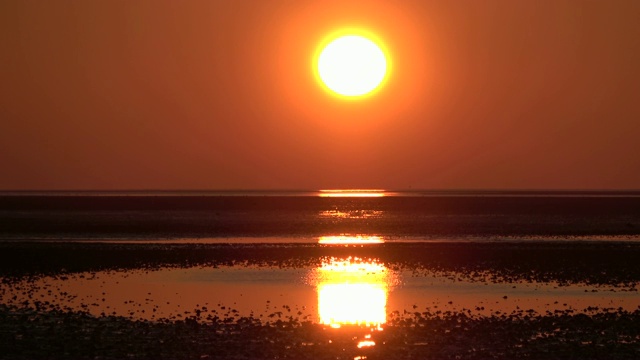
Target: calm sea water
(326,216)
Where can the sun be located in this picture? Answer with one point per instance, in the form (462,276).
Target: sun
(352,65)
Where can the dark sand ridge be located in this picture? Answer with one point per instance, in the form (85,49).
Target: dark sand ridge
(611,263)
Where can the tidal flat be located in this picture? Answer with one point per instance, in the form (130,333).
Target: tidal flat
(389,300)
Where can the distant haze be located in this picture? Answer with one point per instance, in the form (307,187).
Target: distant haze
(164,94)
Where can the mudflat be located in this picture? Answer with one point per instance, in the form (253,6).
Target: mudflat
(547,299)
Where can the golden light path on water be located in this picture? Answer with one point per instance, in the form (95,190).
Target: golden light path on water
(352,193)
(350,240)
(353,291)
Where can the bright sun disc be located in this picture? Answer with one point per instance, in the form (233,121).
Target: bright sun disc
(352,65)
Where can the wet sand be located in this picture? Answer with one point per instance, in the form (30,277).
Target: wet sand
(43,328)
(563,261)
(606,335)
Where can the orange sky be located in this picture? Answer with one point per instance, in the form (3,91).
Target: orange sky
(163,94)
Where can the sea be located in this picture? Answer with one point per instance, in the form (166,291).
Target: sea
(323,216)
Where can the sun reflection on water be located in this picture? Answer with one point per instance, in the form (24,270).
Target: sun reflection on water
(352,193)
(352,214)
(352,291)
(366,343)
(350,239)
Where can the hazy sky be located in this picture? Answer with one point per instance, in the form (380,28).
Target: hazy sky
(165,94)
